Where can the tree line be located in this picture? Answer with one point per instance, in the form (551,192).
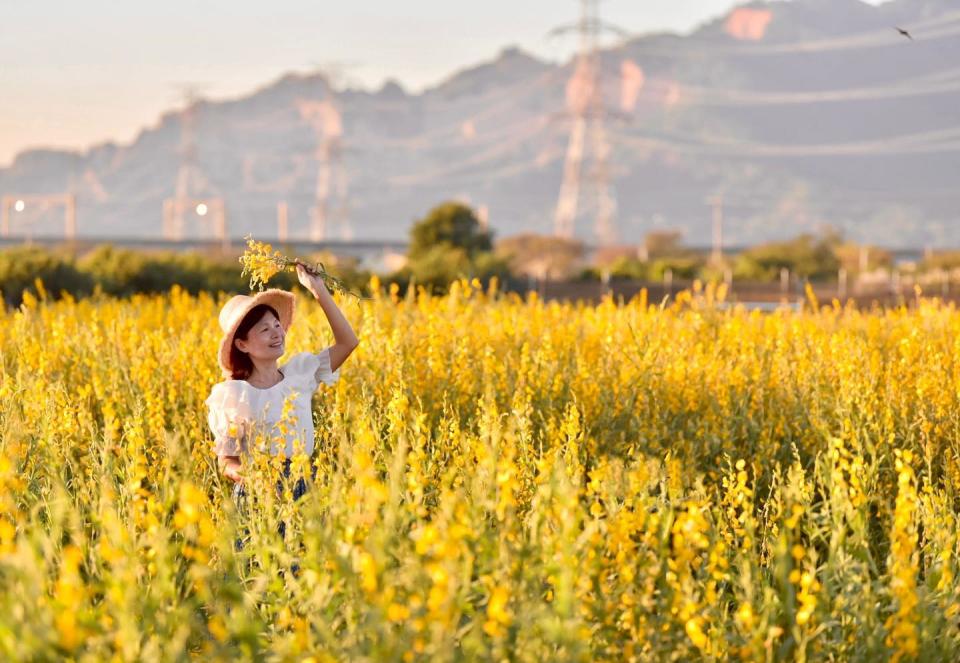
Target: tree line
(448,243)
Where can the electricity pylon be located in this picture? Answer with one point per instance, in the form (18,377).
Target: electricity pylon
(588,134)
(11,205)
(330,202)
(330,212)
(192,195)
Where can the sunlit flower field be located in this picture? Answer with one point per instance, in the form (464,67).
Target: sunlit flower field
(498,478)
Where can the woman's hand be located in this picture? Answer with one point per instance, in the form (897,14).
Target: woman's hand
(231,468)
(234,474)
(312,283)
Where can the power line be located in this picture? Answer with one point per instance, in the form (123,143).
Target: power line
(507,99)
(528,129)
(706,96)
(943,26)
(919,143)
(748,197)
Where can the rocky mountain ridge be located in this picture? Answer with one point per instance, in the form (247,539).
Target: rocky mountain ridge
(800,114)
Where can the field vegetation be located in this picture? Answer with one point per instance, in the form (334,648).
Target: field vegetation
(498,478)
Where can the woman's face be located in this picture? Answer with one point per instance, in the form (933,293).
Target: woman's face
(265,340)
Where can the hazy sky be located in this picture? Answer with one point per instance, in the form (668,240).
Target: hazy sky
(77,72)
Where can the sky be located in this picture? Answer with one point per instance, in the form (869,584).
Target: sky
(75,73)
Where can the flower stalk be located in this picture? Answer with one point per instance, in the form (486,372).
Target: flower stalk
(261,263)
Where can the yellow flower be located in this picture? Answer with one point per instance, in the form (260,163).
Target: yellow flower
(397,613)
(695,633)
(902,625)
(217,628)
(8,534)
(66,624)
(744,616)
(261,262)
(191,502)
(367,568)
(498,616)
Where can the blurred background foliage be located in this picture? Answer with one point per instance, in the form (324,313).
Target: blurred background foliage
(123,272)
(449,243)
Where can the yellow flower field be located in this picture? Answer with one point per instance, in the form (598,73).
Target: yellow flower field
(499,478)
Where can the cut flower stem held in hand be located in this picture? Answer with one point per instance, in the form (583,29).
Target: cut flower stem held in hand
(261,262)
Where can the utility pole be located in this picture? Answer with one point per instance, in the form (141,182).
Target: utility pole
(483,216)
(282,224)
(716,203)
(588,133)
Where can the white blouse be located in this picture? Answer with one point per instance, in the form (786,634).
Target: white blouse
(237,409)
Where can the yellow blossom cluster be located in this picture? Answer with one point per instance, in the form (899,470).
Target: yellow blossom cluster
(261,262)
(902,624)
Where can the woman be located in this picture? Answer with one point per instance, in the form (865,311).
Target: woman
(254,331)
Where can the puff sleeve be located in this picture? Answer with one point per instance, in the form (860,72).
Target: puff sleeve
(309,369)
(229,417)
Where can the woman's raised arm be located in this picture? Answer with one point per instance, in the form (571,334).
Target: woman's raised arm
(345,340)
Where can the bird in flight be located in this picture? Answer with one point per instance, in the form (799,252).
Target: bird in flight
(904,33)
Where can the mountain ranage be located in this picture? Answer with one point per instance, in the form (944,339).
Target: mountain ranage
(801,113)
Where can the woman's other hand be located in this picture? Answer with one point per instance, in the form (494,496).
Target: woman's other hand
(231,468)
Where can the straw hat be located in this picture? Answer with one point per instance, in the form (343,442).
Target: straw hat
(233,312)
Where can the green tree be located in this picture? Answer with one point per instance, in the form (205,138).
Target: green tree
(541,256)
(664,243)
(450,225)
(450,243)
(806,256)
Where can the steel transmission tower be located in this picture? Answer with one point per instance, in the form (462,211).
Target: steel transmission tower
(588,134)
(192,193)
(18,205)
(330,212)
(330,202)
